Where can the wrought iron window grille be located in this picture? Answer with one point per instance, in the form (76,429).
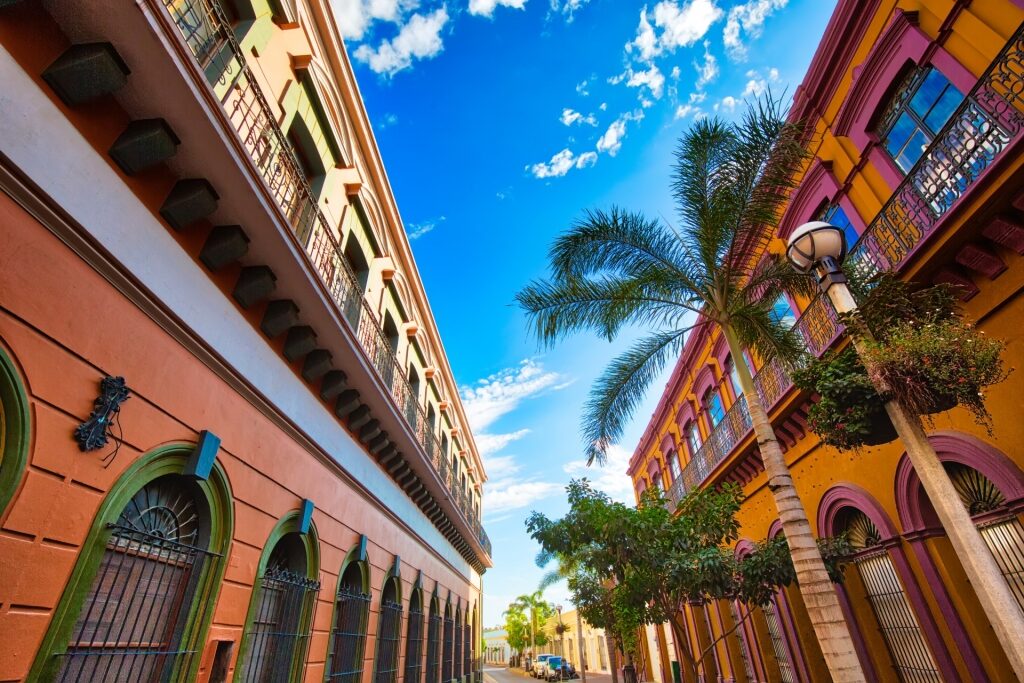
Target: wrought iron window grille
(278,636)
(388,640)
(348,636)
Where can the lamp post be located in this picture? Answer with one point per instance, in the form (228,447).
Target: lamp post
(819,248)
(561,632)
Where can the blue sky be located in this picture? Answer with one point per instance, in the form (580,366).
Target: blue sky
(500,121)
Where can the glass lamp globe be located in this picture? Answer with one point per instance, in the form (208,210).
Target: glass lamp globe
(814,241)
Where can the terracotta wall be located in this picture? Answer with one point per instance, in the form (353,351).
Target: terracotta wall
(66,327)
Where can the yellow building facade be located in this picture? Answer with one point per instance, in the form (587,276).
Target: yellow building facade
(915,119)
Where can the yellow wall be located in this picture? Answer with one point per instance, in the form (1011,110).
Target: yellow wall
(973,36)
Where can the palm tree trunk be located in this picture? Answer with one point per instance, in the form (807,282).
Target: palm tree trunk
(812,578)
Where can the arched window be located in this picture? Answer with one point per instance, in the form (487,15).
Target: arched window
(434,640)
(351,614)
(138,602)
(14,429)
(414,638)
(911,657)
(915,113)
(787,673)
(413,405)
(280,616)
(746,652)
(449,633)
(457,638)
(673,464)
(692,435)
(467,645)
(713,407)
(389,630)
(1003,532)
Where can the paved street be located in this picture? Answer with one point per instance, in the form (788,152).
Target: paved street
(493,674)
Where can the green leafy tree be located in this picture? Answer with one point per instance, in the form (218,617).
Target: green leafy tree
(635,566)
(517,628)
(619,269)
(534,607)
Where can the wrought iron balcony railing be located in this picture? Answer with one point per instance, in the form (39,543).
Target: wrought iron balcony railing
(210,38)
(988,121)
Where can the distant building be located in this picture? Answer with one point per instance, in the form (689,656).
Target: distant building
(284,485)
(595,644)
(496,647)
(916,121)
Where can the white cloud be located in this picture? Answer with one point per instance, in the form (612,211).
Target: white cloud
(581,87)
(611,141)
(612,478)
(652,79)
(501,393)
(567,8)
(748,18)
(681,25)
(676,73)
(684,25)
(684,110)
(420,38)
(646,41)
(355,16)
(512,494)
(571,116)
(388,121)
(604,106)
(418,230)
(707,70)
(728,104)
(488,444)
(757,85)
(562,163)
(485,8)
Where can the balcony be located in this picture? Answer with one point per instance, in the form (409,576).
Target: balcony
(986,124)
(210,39)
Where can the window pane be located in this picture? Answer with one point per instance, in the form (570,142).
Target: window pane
(713,404)
(837,217)
(928,92)
(913,151)
(943,109)
(782,312)
(900,133)
(693,438)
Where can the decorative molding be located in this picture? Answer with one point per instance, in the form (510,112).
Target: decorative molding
(818,185)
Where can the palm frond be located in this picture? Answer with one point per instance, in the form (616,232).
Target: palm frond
(621,388)
(558,308)
(619,241)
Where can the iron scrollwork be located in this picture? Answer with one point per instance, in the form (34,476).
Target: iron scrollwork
(94,432)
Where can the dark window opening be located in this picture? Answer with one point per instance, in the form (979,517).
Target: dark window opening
(348,633)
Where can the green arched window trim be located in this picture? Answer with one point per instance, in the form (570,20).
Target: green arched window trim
(15,429)
(170,459)
(311,543)
(394,574)
(357,556)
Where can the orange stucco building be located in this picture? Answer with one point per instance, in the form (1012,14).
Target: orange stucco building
(231,444)
(915,118)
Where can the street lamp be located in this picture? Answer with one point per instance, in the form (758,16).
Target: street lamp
(818,247)
(561,631)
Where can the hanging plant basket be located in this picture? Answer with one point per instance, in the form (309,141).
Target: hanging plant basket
(849,413)
(922,349)
(881,429)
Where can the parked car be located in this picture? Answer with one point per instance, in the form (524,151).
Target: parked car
(559,669)
(537,666)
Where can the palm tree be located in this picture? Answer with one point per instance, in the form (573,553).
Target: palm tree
(619,269)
